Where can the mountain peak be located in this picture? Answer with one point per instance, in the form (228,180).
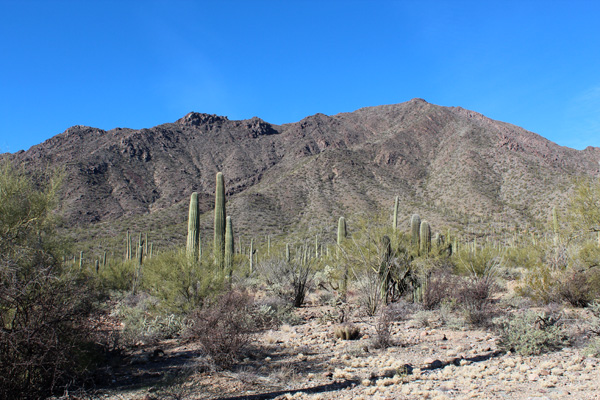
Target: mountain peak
(195,119)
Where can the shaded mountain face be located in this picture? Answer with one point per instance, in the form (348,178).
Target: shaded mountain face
(442,162)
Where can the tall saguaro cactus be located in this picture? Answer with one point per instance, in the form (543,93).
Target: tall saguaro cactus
(220,216)
(341,236)
(251,255)
(229,246)
(415,226)
(395,221)
(193,238)
(425,238)
(341,232)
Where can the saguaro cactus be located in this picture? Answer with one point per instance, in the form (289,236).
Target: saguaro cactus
(384,268)
(341,236)
(137,274)
(229,245)
(341,232)
(251,255)
(220,216)
(193,238)
(415,226)
(425,238)
(395,221)
(128,250)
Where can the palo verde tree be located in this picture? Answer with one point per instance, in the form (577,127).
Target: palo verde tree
(43,306)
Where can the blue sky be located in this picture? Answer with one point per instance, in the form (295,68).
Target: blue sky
(137,64)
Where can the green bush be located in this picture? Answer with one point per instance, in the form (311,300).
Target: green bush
(143,322)
(180,283)
(530,333)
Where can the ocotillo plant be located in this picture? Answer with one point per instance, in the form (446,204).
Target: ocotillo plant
(220,214)
(229,246)
(425,238)
(193,238)
(415,226)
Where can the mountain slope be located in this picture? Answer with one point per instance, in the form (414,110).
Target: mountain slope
(443,162)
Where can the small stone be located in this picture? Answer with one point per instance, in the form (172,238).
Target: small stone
(533,377)
(523,367)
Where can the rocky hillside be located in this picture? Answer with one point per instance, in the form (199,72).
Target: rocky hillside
(443,162)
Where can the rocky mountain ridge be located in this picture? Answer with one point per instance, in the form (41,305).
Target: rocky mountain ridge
(443,162)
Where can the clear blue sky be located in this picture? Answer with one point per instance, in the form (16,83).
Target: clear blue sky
(137,64)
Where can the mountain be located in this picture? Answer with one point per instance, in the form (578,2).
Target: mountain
(446,163)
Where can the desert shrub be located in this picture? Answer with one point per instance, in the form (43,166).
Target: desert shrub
(579,287)
(347,332)
(539,284)
(480,262)
(449,316)
(440,284)
(476,299)
(270,313)
(370,293)
(117,275)
(383,328)
(530,333)
(526,257)
(477,290)
(44,308)
(425,318)
(224,328)
(593,347)
(179,283)
(288,280)
(144,322)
